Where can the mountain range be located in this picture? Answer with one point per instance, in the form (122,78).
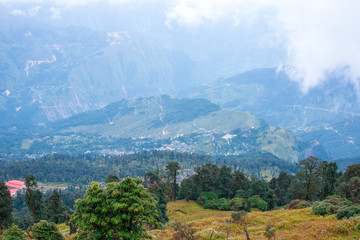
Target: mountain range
(167,123)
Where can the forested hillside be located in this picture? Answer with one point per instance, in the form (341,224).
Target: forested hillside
(83,169)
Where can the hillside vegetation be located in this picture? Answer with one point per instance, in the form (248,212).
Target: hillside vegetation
(289,224)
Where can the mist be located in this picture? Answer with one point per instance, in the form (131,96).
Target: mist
(311,40)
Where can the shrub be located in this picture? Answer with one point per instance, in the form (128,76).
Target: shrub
(218,204)
(45,230)
(348,212)
(237,203)
(13,233)
(330,205)
(257,202)
(324,208)
(298,204)
(205,196)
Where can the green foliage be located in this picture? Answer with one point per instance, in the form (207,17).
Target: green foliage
(298,204)
(308,176)
(350,189)
(82,169)
(172,168)
(259,203)
(348,212)
(218,204)
(351,171)
(44,230)
(33,198)
(281,186)
(329,206)
(112,178)
(13,233)
(238,203)
(161,205)
(54,210)
(205,196)
(271,199)
(5,206)
(120,211)
(258,187)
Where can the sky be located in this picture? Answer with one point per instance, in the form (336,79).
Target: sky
(321,37)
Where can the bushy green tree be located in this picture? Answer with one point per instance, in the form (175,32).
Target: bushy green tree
(13,233)
(120,211)
(308,177)
(258,202)
(44,230)
(5,206)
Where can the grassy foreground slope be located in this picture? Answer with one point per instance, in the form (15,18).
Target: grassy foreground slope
(289,224)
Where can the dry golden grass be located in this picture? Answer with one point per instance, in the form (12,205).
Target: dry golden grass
(289,224)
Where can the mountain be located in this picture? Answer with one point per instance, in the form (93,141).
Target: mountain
(166,123)
(341,138)
(270,94)
(48,73)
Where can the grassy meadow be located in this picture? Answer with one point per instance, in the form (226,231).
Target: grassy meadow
(289,224)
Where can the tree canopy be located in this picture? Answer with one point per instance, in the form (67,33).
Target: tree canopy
(122,210)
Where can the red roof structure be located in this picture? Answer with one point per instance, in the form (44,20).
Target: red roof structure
(15,184)
(13,191)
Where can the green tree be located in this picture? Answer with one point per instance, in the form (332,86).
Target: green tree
(308,176)
(350,189)
(54,211)
(351,171)
(44,230)
(5,206)
(112,178)
(270,199)
(13,233)
(172,168)
(33,197)
(225,181)
(330,179)
(119,211)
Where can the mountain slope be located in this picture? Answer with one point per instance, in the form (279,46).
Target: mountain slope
(272,96)
(342,138)
(163,122)
(50,73)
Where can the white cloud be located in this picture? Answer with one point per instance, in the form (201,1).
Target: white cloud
(56,12)
(34,11)
(18,12)
(321,36)
(194,13)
